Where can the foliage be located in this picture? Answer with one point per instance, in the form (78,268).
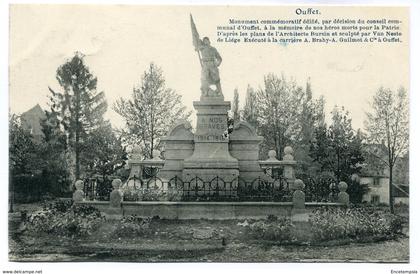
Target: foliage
(311,117)
(132,226)
(28,188)
(104,152)
(356,190)
(61,205)
(388,124)
(354,223)
(402,209)
(131,195)
(234,115)
(272,229)
(152,194)
(338,149)
(284,114)
(103,188)
(59,219)
(36,168)
(235,107)
(279,105)
(22,149)
(53,155)
(150,112)
(249,112)
(78,107)
(317,188)
(28,166)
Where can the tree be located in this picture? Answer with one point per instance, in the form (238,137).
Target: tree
(387,124)
(311,118)
(338,149)
(284,114)
(150,112)
(22,149)
(279,106)
(346,145)
(105,152)
(235,106)
(234,116)
(53,154)
(249,112)
(79,107)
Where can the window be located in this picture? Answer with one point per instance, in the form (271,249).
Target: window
(375,199)
(376,181)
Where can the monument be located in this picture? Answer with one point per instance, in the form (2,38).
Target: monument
(211,151)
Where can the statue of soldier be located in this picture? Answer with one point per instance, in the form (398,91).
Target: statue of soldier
(210,61)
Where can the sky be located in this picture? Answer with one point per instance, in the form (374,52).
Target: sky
(120,41)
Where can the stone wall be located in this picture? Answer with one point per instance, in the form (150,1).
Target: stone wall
(202,210)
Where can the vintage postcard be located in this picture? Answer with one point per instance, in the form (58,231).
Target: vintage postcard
(229,134)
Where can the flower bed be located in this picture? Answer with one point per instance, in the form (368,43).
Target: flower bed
(334,225)
(64,219)
(356,223)
(275,229)
(132,226)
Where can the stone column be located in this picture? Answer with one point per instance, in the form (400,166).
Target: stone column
(289,164)
(343,197)
(78,195)
(135,163)
(299,216)
(298,195)
(116,196)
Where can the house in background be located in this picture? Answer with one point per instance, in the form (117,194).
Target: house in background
(378,188)
(376,175)
(31,121)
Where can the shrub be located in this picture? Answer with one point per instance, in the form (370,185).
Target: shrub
(132,226)
(401,208)
(353,223)
(317,188)
(131,195)
(76,220)
(59,205)
(152,194)
(273,229)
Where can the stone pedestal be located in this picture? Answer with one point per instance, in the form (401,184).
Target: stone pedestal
(211,155)
(116,196)
(78,195)
(343,197)
(289,164)
(298,198)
